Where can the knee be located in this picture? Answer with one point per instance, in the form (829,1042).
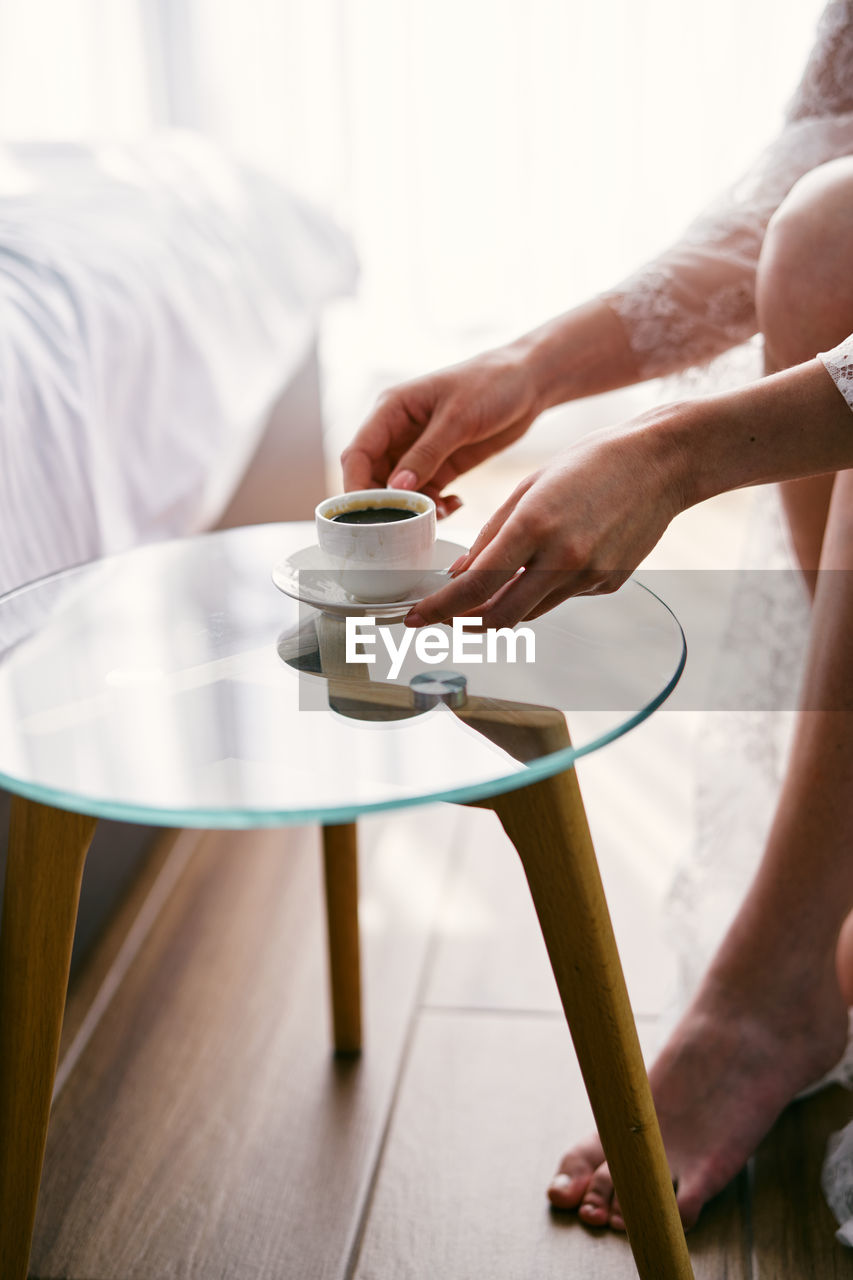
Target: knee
(804,285)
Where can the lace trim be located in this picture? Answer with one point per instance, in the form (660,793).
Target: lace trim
(664,333)
(839,365)
(826,87)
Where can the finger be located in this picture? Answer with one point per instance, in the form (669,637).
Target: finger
(446,505)
(495,566)
(536,590)
(364,461)
(360,470)
(580,582)
(501,549)
(456,568)
(586,583)
(564,592)
(483,609)
(550,602)
(493,527)
(471,455)
(464,595)
(391,428)
(522,597)
(444,476)
(422,462)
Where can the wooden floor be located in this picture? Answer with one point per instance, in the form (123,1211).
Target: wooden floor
(202,1128)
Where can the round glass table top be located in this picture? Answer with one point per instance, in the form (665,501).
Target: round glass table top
(174,684)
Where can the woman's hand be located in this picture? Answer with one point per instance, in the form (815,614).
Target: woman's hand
(579,526)
(425,433)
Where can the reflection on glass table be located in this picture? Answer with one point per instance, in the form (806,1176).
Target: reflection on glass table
(177,685)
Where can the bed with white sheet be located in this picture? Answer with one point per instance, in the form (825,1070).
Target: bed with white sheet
(155,300)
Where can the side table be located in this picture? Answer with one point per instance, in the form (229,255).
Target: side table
(175,685)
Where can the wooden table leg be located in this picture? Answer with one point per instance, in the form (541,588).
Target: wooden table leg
(47,850)
(340,865)
(547,824)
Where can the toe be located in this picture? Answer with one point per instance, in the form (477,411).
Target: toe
(690,1197)
(617,1222)
(573,1177)
(567,1189)
(597,1202)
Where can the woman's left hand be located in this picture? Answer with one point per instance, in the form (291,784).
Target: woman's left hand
(580,526)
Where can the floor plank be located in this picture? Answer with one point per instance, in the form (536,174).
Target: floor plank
(206,1131)
(793,1228)
(487,1102)
(93,986)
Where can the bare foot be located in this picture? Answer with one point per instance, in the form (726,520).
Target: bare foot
(733,1063)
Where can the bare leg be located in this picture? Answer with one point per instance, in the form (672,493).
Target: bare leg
(804,305)
(770,1016)
(792,277)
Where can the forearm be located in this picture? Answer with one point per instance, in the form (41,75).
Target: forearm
(788,425)
(583,352)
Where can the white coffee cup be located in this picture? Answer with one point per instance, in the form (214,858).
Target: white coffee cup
(382,561)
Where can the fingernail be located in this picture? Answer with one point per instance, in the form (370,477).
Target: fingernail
(561,1181)
(458,563)
(413,620)
(403,480)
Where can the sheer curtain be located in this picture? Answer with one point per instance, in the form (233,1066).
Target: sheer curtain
(72,69)
(495,161)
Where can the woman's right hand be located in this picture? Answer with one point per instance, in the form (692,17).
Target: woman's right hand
(424,433)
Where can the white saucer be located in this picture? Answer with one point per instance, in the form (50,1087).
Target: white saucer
(321,589)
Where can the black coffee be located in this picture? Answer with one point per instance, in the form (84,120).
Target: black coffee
(374,515)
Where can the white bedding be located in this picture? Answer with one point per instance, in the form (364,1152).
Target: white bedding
(154,299)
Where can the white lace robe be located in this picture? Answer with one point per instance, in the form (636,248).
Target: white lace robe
(692,303)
